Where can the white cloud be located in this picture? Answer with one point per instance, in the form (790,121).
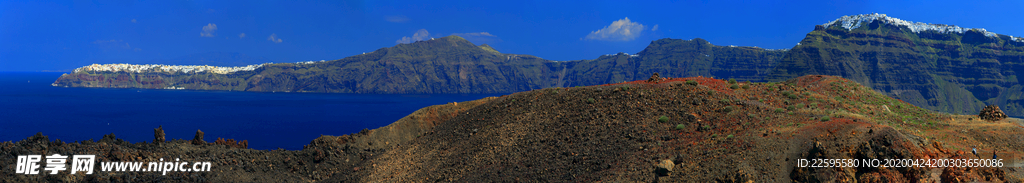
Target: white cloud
(208,30)
(472,34)
(655,27)
(621,30)
(396,18)
(273,38)
(420,35)
(242,35)
(479,37)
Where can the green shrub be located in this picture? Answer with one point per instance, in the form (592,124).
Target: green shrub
(790,108)
(591,100)
(725,100)
(825,118)
(691,82)
(800,105)
(780,110)
(680,126)
(663,119)
(727,109)
(790,112)
(729,136)
(714,135)
(706,127)
(732,81)
(734,86)
(747,86)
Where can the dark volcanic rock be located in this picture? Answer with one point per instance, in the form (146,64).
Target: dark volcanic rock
(992,113)
(158,135)
(654,78)
(198,139)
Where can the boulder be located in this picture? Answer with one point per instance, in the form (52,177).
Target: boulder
(664,167)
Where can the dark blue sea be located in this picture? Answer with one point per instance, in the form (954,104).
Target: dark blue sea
(28,104)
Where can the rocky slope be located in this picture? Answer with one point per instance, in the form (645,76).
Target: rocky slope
(664,129)
(938,67)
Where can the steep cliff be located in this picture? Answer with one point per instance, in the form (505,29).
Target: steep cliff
(446,65)
(677,58)
(938,67)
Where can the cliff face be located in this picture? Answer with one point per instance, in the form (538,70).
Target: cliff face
(938,67)
(449,65)
(941,67)
(677,58)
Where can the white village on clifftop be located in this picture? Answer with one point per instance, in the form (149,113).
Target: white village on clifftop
(165,68)
(138,68)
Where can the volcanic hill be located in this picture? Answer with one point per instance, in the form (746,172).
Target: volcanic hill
(693,129)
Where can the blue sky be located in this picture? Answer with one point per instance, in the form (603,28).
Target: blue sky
(62,35)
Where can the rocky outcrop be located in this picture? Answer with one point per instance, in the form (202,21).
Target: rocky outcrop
(232,143)
(198,139)
(158,135)
(992,113)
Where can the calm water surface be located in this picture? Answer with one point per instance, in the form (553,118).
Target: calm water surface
(28,104)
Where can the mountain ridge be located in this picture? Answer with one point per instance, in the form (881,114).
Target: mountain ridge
(958,70)
(939,67)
